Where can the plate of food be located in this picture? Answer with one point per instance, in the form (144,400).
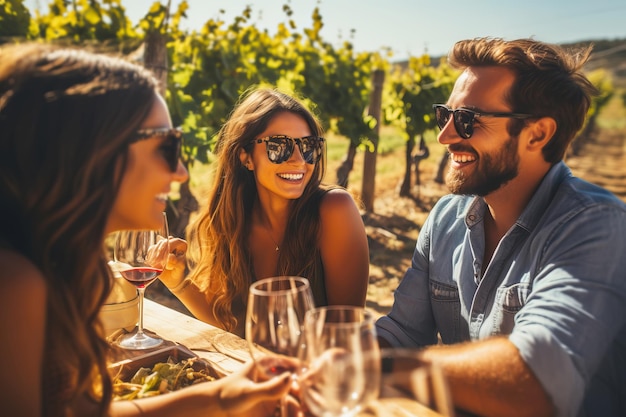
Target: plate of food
(159,372)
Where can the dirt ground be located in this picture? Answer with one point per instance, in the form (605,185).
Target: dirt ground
(393,227)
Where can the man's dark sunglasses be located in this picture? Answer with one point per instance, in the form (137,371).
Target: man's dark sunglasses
(171,145)
(464,118)
(279,148)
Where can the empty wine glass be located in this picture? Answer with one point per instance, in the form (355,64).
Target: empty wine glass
(135,261)
(274,324)
(342,370)
(406,375)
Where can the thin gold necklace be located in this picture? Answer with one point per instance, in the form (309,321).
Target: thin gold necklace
(268,230)
(271,237)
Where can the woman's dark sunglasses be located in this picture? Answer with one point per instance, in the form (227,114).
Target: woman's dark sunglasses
(464,118)
(171,145)
(279,148)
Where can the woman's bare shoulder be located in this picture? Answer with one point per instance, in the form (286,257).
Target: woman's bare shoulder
(337,198)
(23,323)
(339,209)
(19,272)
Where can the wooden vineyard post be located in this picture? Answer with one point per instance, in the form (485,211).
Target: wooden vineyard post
(369,161)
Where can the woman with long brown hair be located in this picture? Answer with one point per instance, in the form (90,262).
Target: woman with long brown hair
(269,214)
(86,148)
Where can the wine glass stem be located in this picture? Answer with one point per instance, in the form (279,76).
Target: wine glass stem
(140,324)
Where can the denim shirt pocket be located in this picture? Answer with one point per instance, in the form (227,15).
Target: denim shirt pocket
(446,308)
(509,300)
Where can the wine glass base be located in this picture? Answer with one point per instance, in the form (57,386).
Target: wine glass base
(138,341)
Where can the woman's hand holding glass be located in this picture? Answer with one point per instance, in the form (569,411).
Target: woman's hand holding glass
(244,393)
(172,254)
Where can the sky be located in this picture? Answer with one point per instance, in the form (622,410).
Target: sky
(415,27)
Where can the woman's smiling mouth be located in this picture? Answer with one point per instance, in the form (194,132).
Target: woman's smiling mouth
(291,177)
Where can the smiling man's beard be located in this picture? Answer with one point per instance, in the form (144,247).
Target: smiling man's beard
(492,171)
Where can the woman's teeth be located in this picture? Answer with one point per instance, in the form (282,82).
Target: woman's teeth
(291,177)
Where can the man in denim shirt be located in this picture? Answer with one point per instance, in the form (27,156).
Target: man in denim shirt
(521,271)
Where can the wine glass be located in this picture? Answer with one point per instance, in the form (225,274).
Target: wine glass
(135,261)
(342,372)
(274,324)
(406,375)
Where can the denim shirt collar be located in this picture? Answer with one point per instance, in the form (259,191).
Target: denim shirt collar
(537,205)
(543,196)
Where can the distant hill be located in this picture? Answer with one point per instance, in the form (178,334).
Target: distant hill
(608,54)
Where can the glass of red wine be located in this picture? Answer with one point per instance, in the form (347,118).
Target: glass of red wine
(275,325)
(136,259)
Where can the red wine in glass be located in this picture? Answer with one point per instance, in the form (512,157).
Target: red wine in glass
(140,256)
(141,277)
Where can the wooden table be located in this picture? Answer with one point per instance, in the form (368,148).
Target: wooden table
(228,352)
